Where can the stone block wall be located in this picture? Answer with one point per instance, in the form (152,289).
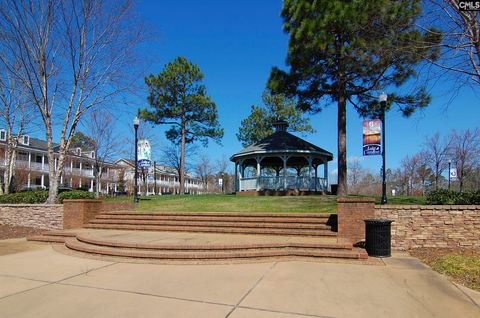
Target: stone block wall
(71,214)
(41,216)
(417,226)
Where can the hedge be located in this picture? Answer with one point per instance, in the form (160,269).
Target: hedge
(447,197)
(28,197)
(75,194)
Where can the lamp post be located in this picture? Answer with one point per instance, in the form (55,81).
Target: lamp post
(383,103)
(449,164)
(223,183)
(136,123)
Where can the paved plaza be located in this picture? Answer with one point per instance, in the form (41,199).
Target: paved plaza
(38,281)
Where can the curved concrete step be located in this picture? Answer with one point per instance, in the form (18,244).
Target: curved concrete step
(209,255)
(288,232)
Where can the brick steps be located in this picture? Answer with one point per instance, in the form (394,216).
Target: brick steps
(209,223)
(89,239)
(291,224)
(212,229)
(220,253)
(51,237)
(256,219)
(223,214)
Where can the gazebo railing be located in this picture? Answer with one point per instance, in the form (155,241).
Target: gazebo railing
(282,183)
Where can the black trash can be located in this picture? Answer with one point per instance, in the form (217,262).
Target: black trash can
(378,237)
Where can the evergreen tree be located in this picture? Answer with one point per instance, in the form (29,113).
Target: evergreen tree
(179,99)
(258,124)
(349,51)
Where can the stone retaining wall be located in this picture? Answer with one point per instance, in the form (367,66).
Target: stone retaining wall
(417,226)
(71,214)
(41,216)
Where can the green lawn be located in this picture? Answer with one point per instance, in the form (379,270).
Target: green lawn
(462,265)
(232,203)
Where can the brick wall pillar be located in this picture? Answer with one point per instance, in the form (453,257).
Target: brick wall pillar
(351,213)
(77,213)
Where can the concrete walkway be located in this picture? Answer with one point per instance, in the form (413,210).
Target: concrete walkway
(36,281)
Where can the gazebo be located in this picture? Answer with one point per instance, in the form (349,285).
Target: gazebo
(281,163)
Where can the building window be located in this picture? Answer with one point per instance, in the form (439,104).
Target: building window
(92,154)
(78,151)
(25,140)
(3,135)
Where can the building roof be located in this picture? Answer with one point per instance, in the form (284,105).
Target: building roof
(282,142)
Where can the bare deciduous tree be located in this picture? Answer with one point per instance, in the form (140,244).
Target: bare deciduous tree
(354,175)
(204,170)
(460,48)
(105,144)
(409,166)
(171,155)
(70,56)
(466,153)
(438,153)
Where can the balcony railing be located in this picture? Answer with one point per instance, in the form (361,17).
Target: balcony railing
(282,183)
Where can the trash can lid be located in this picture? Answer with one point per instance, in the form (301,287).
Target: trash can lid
(378,221)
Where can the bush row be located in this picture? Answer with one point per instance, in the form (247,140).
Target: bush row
(40,196)
(446,197)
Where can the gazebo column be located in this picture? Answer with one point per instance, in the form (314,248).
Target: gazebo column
(309,159)
(236,176)
(241,176)
(284,159)
(259,160)
(325,172)
(316,177)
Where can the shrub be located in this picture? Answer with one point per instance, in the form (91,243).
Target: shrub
(445,196)
(75,194)
(28,197)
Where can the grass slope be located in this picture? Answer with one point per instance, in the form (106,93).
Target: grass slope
(232,203)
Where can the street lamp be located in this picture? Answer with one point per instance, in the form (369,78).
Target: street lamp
(383,103)
(223,183)
(449,164)
(136,123)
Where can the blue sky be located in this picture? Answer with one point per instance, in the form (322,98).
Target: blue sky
(235,44)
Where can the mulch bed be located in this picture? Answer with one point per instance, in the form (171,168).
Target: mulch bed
(8,231)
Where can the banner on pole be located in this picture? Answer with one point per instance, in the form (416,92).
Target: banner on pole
(371,137)
(453,174)
(144,153)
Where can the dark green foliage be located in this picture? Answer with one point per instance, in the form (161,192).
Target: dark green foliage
(349,51)
(76,194)
(27,197)
(178,98)
(258,124)
(445,196)
(82,141)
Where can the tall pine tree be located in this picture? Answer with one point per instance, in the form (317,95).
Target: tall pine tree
(347,51)
(179,99)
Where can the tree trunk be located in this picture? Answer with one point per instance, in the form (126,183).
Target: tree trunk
(182,161)
(342,143)
(53,175)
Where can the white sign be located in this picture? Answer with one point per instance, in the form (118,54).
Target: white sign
(453,173)
(220,182)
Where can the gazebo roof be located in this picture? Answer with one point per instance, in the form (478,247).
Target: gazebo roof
(282,142)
